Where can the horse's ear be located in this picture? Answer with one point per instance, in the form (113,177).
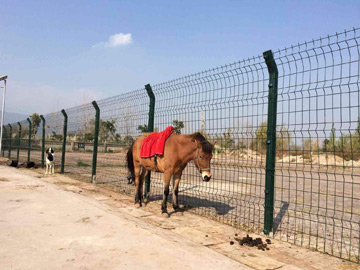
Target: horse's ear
(213,143)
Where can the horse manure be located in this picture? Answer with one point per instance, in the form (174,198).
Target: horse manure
(257,242)
(236,234)
(231,242)
(206,235)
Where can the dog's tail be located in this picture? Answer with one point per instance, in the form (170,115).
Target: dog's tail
(130,165)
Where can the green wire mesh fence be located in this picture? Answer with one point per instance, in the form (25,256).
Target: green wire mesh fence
(318,167)
(317,162)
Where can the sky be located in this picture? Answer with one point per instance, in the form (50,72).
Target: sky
(60,54)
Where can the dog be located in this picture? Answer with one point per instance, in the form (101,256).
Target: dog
(50,161)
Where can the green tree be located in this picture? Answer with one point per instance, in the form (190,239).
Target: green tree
(143,128)
(88,137)
(107,130)
(35,123)
(56,137)
(178,125)
(356,139)
(326,145)
(128,140)
(227,141)
(283,140)
(259,142)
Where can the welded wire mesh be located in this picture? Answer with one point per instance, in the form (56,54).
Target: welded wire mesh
(227,105)
(22,141)
(317,177)
(318,166)
(79,141)
(120,117)
(54,124)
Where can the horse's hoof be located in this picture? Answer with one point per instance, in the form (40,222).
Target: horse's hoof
(165,215)
(137,205)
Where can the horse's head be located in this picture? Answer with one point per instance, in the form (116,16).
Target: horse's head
(203,157)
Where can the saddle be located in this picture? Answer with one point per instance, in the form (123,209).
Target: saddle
(154,144)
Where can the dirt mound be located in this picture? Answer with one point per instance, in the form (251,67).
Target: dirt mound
(321,159)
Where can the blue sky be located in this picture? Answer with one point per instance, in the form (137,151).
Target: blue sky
(57,53)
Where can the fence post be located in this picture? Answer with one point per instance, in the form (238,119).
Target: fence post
(3,141)
(150,129)
(43,142)
(29,142)
(270,142)
(10,135)
(96,138)
(19,146)
(64,141)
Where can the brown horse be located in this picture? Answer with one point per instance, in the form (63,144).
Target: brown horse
(179,150)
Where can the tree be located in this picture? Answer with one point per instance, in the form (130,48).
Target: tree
(88,137)
(259,142)
(283,139)
(35,123)
(178,125)
(143,128)
(325,145)
(56,137)
(128,140)
(107,130)
(226,141)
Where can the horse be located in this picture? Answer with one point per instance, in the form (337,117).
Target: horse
(178,152)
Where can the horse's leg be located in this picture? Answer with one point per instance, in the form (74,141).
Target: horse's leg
(143,174)
(167,177)
(177,177)
(137,186)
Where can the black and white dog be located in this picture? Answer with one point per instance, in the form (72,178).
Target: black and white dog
(50,161)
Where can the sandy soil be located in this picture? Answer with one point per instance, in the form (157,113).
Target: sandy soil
(53,222)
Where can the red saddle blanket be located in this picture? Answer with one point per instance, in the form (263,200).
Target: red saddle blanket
(154,144)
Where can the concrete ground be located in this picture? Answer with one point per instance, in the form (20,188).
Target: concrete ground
(53,222)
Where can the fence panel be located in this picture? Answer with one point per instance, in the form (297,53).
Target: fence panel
(21,144)
(79,143)
(54,136)
(120,119)
(227,104)
(318,168)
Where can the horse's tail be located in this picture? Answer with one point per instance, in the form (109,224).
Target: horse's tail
(130,165)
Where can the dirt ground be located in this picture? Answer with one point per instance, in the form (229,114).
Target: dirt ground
(54,222)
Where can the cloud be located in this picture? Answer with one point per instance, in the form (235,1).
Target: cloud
(115,41)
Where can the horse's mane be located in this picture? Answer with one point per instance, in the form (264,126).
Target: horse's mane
(206,146)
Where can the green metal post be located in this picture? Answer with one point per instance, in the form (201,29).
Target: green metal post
(19,146)
(29,142)
(64,141)
(10,135)
(150,129)
(3,140)
(96,138)
(270,142)
(43,142)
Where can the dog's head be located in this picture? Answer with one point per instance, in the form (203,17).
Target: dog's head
(50,153)
(50,150)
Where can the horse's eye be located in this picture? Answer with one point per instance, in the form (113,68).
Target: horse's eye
(201,157)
